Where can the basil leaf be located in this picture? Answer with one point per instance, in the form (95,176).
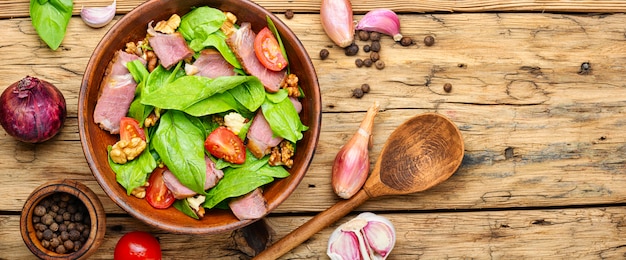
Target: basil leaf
(283,119)
(201,22)
(183,206)
(50,19)
(134,173)
(180,144)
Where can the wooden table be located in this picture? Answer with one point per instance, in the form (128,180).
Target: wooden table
(544,173)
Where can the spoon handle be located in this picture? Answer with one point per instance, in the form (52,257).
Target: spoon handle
(314,225)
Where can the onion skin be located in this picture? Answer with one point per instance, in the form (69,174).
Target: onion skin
(337,21)
(32,110)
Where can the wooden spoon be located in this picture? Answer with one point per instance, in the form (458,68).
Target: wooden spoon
(421,153)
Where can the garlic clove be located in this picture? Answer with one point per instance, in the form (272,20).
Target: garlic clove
(367,236)
(383,21)
(337,21)
(98,17)
(379,235)
(343,245)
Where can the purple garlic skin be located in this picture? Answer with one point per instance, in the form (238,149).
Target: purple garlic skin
(382,21)
(368,236)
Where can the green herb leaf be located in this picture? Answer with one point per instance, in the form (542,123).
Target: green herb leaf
(50,19)
(250,94)
(183,206)
(272,27)
(134,173)
(201,22)
(218,41)
(180,144)
(283,119)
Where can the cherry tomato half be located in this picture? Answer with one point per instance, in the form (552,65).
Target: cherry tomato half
(129,128)
(268,51)
(157,194)
(224,144)
(137,245)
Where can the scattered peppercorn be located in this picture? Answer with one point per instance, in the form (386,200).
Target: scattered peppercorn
(358,62)
(585,68)
(380,64)
(374,56)
(365,88)
(447,87)
(364,35)
(357,93)
(366,48)
(324,54)
(289,14)
(352,50)
(406,41)
(375,46)
(375,36)
(429,40)
(367,62)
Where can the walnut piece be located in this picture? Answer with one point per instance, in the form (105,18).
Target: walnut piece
(228,27)
(140,192)
(282,154)
(169,26)
(151,60)
(290,83)
(152,118)
(124,150)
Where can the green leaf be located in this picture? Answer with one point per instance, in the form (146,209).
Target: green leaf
(217,103)
(180,144)
(283,119)
(134,173)
(50,20)
(201,22)
(183,206)
(138,70)
(272,27)
(250,94)
(218,41)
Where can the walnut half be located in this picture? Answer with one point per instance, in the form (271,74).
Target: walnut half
(124,151)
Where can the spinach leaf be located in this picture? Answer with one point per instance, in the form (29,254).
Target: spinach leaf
(250,94)
(180,144)
(217,103)
(283,119)
(160,77)
(50,19)
(201,22)
(137,110)
(134,173)
(138,70)
(238,182)
(189,90)
(183,206)
(218,41)
(272,27)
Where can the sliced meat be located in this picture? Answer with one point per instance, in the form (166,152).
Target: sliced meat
(261,139)
(250,206)
(170,48)
(296,104)
(118,91)
(179,190)
(211,64)
(242,44)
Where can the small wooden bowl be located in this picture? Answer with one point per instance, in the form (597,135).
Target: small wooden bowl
(84,195)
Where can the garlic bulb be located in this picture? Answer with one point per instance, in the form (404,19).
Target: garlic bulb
(382,21)
(97,17)
(368,236)
(337,21)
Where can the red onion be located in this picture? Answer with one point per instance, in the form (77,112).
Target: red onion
(32,110)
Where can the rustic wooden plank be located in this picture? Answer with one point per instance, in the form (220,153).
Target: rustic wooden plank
(537,133)
(587,233)
(19,8)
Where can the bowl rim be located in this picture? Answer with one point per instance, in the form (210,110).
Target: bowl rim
(313,131)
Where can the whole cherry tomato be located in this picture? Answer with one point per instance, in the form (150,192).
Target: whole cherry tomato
(137,245)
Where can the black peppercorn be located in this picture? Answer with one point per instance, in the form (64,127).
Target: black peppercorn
(358,62)
(406,41)
(374,56)
(324,54)
(380,64)
(375,36)
(289,14)
(357,93)
(429,40)
(367,62)
(447,87)
(366,48)
(375,46)
(365,88)
(585,68)
(39,211)
(352,50)
(363,35)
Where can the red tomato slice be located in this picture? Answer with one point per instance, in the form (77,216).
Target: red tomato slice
(157,194)
(137,245)
(129,128)
(224,144)
(268,51)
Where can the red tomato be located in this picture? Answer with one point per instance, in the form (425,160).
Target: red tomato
(129,128)
(137,245)
(224,144)
(268,51)
(157,194)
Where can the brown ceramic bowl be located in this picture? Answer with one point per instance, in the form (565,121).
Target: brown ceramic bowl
(83,195)
(131,28)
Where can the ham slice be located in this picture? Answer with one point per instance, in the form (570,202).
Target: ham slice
(118,91)
(261,139)
(211,64)
(242,44)
(179,190)
(250,206)
(170,48)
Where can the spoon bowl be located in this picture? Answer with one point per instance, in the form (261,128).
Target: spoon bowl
(421,153)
